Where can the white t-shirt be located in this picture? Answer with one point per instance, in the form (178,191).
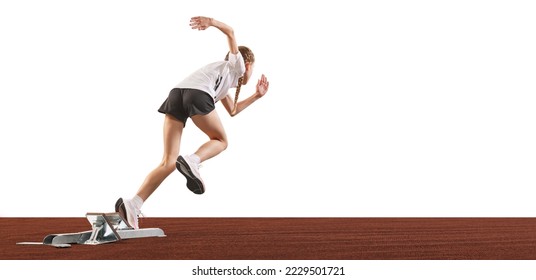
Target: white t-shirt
(217,78)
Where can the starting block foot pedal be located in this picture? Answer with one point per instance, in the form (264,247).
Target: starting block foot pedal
(106,228)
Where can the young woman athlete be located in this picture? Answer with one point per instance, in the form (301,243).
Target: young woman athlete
(195,98)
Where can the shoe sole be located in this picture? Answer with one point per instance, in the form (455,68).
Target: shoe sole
(120,208)
(193,183)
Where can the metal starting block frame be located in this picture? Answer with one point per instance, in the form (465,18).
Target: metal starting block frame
(106,228)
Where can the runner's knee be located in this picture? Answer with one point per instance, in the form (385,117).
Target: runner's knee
(223,142)
(168,165)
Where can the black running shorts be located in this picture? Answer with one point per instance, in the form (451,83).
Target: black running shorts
(183,103)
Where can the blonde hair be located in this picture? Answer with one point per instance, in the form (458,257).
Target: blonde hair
(249,57)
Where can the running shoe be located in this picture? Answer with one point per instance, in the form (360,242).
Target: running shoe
(190,170)
(128,212)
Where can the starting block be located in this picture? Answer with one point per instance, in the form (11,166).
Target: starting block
(106,228)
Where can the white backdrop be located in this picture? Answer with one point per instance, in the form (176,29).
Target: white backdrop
(376,108)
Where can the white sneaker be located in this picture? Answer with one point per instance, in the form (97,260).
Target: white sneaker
(190,170)
(128,212)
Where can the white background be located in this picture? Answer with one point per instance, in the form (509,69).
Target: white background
(375,108)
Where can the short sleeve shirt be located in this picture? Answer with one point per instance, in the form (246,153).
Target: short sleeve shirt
(216,78)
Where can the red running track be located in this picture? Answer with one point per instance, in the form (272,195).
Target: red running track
(287,239)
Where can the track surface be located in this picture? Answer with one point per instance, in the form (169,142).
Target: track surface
(287,239)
